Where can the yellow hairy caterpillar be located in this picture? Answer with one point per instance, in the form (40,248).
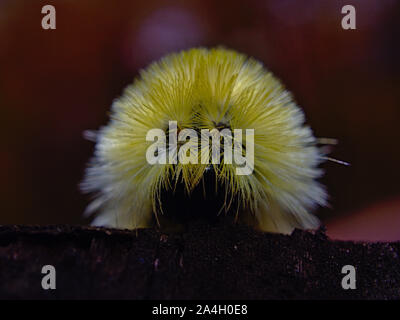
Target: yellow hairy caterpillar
(192,93)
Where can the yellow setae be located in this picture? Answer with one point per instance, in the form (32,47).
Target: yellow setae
(207,89)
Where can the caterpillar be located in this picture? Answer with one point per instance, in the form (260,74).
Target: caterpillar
(206,89)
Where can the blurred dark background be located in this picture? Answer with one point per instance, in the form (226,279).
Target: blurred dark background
(54,84)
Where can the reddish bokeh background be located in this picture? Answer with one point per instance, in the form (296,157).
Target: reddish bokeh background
(54,84)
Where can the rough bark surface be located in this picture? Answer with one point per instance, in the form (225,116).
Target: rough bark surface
(221,261)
